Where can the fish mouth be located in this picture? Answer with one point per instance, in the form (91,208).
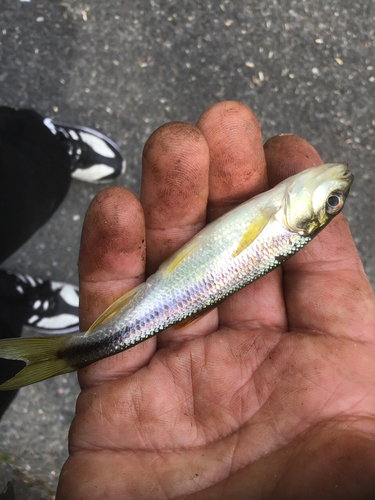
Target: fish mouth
(343,174)
(347,177)
(347,174)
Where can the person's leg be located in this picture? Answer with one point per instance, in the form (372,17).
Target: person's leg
(37,160)
(11,321)
(34,176)
(34,179)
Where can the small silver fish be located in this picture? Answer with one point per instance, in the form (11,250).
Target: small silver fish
(231,252)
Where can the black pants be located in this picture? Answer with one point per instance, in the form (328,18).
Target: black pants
(34,179)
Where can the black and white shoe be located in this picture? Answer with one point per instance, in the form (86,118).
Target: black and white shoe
(94,157)
(51,306)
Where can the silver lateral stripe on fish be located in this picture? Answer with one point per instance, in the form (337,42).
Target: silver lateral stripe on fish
(236,249)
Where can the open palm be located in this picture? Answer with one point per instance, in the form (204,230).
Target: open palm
(272,395)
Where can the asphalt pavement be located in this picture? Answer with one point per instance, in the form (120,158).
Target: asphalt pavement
(126,67)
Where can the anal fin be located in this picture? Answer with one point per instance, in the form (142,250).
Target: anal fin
(190,320)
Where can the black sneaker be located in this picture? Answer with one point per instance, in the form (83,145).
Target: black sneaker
(94,157)
(52,307)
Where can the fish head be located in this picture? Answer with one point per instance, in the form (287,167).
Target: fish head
(313,197)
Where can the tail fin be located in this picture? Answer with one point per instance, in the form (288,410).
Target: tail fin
(41,356)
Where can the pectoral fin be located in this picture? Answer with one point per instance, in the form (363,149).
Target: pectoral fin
(256,226)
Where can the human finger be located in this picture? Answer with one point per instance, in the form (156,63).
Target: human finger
(111,262)
(326,289)
(174,196)
(237,173)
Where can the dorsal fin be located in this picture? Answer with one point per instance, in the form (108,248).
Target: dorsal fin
(256,226)
(113,309)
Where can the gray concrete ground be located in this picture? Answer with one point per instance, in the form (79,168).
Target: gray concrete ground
(128,66)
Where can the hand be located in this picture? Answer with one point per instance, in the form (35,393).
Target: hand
(272,394)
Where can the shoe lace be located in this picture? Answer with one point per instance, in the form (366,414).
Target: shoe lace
(41,293)
(75,147)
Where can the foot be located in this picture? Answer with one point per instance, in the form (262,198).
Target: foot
(94,157)
(52,307)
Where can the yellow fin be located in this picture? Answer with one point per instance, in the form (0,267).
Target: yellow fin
(192,319)
(113,309)
(256,226)
(173,261)
(42,357)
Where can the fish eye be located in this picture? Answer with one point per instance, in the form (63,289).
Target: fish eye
(335,202)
